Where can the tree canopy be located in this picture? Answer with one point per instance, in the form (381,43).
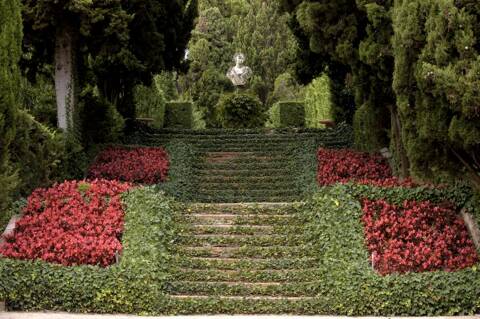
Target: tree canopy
(116,44)
(413,62)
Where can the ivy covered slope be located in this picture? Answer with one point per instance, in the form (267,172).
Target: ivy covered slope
(246,165)
(134,285)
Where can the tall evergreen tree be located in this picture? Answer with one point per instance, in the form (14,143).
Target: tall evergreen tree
(124,42)
(10,52)
(264,37)
(353,38)
(437,82)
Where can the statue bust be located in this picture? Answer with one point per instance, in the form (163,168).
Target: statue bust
(239,74)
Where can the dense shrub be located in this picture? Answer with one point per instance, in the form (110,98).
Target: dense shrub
(165,84)
(150,103)
(416,236)
(101,122)
(138,165)
(71,224)
(178,115)
(287,114)
(240,110)
(39,100)
(206,92)
(368,124)
(318,102)
(37,153)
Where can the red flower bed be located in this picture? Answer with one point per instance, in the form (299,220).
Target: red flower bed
(343,166)
(145,165)
(416,237)
(71,223)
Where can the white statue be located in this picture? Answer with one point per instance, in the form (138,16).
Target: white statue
(239,74)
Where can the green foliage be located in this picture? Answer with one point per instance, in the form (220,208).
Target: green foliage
(370,135)
(286,88)
(101,123)
(262,34)
(287,114)
(181,174)
(36,154)
(165,82)
(134,285)
(207,91)
(354,40)
(179,115)
(334,230)
(10,51)
(119,43)
(240,110)
(39,100)
(268,165)
(318,102)
(150,103)
(437,83)
(258,29)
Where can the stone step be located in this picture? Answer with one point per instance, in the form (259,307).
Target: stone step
(246,263)
(201,240)
(246,298)
(285,289)
(247,275)
(233,199)
(234,219)
(270,172)
(246,251)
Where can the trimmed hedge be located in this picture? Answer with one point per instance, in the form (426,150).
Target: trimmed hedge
(350,286)
(134,285)
(287,114)
(240,110)
(179,115)
(181,179)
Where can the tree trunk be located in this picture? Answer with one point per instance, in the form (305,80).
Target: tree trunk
(65,76)
(401,154)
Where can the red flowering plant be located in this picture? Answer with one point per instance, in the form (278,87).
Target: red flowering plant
(73,223)
(146,165)
(416,237)
(344,166)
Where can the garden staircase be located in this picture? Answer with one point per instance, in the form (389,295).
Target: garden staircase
(242,248)
(243,166)
(237,258)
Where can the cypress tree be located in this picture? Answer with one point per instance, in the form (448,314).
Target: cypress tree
(437,82)
(264,37)
(10,51)
(353,38)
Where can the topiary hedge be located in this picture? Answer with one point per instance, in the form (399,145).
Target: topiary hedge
(178,115)
(351,287)
(134,285)
(240,110)
(287,114)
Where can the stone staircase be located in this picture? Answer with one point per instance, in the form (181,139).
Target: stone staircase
(242,247)
(245,166)
(241,258)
